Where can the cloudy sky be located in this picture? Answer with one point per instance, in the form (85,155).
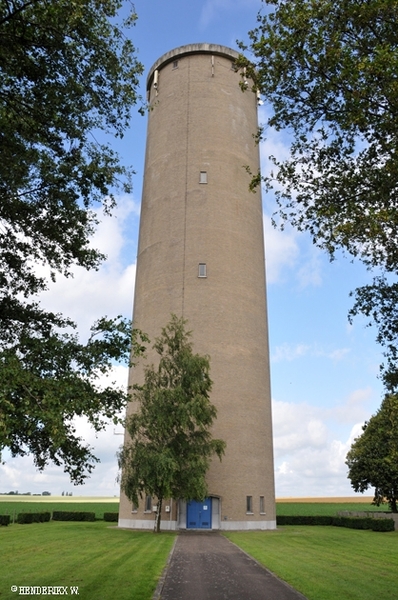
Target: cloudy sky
(324,371)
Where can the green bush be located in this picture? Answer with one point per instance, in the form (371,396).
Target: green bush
(111,516)
(350,522)
(383,525)
(353,522)
(24,518)
(4,520)
(63,515)
(304,520)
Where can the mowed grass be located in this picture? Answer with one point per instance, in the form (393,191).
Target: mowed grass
(102,561)
(324,563)
(328,563)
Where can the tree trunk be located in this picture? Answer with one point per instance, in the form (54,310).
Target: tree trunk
(158,516)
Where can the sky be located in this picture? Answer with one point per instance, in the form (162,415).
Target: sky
(324,371)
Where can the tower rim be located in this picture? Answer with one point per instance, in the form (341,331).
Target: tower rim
(200,48)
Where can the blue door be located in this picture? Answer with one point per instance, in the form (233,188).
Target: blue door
(199,514)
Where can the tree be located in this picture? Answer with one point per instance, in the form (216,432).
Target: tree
(67,71)
(373,458)
(171,443)
(46,383)
(329,72)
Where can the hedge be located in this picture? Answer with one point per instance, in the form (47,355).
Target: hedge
(383,525)
(304,520)
(350,522)
(63,515)
(111,516)
(5,520)
(24,518)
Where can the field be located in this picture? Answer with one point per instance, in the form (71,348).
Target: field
(12,505)
(101,562)
(325,506)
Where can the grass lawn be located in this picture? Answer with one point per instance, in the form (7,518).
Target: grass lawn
(328,563)
(103,562)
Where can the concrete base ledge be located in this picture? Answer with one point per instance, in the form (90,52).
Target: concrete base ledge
(146,524)
(172,525)
(247,525)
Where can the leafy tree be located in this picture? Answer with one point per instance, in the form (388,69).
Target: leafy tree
(329,72)
(171,444)
(46,383)
(373,458)
(67,70)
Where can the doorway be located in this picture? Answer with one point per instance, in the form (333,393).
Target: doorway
(199,514)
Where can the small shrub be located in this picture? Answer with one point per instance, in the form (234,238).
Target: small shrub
(4,520)
(63,515)
(25,518)
(111,517)
(353,522)
(383,524)
(304,520)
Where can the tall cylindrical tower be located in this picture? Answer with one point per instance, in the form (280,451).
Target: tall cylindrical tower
(201,256)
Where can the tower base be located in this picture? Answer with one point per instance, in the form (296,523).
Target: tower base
(196,516)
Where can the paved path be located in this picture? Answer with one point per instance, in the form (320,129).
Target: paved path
(207,566)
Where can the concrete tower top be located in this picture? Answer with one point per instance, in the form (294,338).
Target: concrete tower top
(190,49)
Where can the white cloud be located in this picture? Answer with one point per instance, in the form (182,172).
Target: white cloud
(281,250)
(310,273)
(288,252)
(356,408)
(338,354)
(310,452)
(289,352)
(109,291)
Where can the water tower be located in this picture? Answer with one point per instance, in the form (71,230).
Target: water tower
(201,256)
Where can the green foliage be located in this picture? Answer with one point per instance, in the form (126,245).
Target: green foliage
(45,383)
(373,458)
(66,71)
(28,517)
(304,520)
(379,303)
(112,517)
(73,515)
(383,525)
(375,524)
(171,445)
(329,72)
(5,520)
